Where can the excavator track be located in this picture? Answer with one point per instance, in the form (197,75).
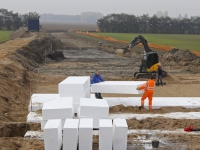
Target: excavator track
(147,75)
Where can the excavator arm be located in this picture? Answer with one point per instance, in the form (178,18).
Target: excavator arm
(142,40)
(150,59)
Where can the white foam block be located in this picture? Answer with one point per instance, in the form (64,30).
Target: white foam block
(34,117)
(158,102)
(76,100)
(96,123)
(62,108)
(38,135)
(76,106)
(85,134)
(95,120)
(94,108)
(74,85)
(37,101)
(118,87)
(120,132)
(105,134)
(53,135)
(92,96)
(43,123)
(75,93)
(70,134)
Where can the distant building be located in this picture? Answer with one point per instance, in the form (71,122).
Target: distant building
(166,14)
(33,25)
(186,16)
(159,14)
(180,16)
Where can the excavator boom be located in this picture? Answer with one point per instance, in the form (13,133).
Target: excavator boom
(142,40)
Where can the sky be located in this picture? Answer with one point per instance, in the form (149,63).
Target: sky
(75,7)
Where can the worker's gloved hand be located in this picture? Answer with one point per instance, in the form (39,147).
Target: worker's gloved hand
(137,88)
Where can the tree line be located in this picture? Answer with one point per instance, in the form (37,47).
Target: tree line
(12,21)
(125,23)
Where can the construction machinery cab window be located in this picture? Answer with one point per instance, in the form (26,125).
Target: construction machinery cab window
(152,59)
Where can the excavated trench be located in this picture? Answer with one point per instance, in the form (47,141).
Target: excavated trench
(16,74)
(17,129)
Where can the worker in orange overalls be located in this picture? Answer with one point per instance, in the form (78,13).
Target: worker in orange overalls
(149,90)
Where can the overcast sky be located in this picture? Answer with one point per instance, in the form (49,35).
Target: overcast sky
(75,7)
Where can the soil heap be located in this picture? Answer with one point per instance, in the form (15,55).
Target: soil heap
(182,59)
(16,75)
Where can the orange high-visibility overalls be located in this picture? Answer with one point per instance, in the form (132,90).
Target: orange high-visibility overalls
(149,89)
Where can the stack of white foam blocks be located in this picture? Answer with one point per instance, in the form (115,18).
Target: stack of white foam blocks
(76,87)
(61,129)
(112,136)
(65,104)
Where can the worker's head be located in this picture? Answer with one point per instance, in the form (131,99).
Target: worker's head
(97,72)
(152,77)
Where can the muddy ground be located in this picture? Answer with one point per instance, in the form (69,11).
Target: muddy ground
(83,56)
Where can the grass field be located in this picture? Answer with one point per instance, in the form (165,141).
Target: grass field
(181,41)
(4,36)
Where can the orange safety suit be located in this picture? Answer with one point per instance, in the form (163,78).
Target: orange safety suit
(149,89)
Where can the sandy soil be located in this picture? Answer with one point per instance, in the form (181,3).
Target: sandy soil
(111,67)
(132,109)
(83,58)
(16,42)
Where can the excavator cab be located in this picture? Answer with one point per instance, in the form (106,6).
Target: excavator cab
(149,62)
(149,65)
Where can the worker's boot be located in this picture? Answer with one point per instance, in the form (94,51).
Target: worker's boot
(140,107)
(96,95)
(100,97)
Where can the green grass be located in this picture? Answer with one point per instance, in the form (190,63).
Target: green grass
(181,41)
(5,36)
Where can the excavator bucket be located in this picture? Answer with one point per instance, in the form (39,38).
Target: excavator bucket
(120,52)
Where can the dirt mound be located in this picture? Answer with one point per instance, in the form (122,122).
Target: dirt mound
(33,54)
(56,55)
(162,123)
(19,143)
(131,109)
(182,59)
(19,33)
(17,129)
(15,77)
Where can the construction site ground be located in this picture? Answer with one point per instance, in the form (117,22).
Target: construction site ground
(83,57)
